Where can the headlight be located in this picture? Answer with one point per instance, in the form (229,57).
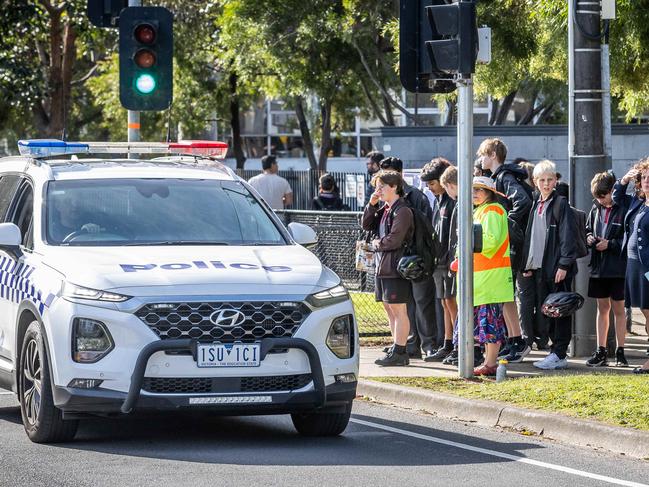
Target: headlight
(73,291)
(336,294)
(91,340)
(341,336)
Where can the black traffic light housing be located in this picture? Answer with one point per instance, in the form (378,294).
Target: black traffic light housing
(416,71)
(453,46)
(146,58)
(105,13)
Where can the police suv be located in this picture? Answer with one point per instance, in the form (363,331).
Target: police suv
(165,283)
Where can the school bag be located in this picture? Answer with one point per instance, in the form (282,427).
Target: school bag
(579,230)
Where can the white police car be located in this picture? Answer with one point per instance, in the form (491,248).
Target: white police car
(164,284)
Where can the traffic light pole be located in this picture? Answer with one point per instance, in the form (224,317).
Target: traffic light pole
(465,225)
(134,116)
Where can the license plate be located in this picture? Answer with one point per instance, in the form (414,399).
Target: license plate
(228,355)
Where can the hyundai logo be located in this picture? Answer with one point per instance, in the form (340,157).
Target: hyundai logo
(227,318)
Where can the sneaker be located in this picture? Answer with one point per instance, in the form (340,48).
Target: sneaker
(506,350)
(552,362)
(484,370)
(518,353)
(598,359)
(440,354)
(620,359)
(392,359)
(452,358)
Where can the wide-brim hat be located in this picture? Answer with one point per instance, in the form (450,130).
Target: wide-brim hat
(486,183)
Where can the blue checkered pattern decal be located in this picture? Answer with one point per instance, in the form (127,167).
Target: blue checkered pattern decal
(16,286)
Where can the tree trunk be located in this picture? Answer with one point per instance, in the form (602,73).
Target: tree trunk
(545,114)
(306,133)
(450,117)
(495,104)
(505,106)
(325,114)
(532,110)
(237,148)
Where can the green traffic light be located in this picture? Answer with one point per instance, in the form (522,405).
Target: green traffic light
(145,83)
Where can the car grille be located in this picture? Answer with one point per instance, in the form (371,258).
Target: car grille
(257,320)
(197,385)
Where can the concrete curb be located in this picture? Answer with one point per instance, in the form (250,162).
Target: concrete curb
(579,432)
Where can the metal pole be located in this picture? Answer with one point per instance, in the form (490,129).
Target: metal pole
(465,225)
(587,144)
(606,105)
(134,116)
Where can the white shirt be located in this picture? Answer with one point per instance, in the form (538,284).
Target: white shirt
(272,188)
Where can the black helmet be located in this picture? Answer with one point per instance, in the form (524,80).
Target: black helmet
(411,267)
(558,305)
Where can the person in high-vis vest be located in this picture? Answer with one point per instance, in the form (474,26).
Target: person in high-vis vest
(492,275)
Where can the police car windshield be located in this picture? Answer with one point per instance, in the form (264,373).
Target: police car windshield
(118,212)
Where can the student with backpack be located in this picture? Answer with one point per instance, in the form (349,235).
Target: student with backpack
(392,224)
(328,198)
(549,259)
(517,200)
(605,234)
(421,308)
(444,283)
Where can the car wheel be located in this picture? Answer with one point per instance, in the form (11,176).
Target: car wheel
(322,424)
(42,420)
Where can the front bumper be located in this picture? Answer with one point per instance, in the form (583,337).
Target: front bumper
(103,401)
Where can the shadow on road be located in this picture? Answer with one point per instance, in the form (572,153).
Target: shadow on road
(270,440)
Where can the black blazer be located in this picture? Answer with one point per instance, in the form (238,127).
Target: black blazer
(634,204)
(611,262)
(559,251)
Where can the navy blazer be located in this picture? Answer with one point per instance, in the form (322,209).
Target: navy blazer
(634,204)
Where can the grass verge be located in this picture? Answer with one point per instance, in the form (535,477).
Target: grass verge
(620,400)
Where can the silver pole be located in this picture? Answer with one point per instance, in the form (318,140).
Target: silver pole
(465,225)
(134,116)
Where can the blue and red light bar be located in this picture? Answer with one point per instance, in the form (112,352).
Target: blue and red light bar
(51,147)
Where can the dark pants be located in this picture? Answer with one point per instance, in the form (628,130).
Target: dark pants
(559,329)
(421,313)
(534,327)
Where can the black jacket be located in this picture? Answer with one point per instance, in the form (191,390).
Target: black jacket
(442,226)
(415,198)
(634,204)
(611,262)
(399,230)
(559,251)
(508,179)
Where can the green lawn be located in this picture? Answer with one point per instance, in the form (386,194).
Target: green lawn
(370,315)
(621,400)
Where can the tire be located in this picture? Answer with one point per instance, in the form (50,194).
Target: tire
(43,422)
(322,424)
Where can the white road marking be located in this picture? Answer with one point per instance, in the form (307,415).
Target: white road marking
(494,453)
(6,392)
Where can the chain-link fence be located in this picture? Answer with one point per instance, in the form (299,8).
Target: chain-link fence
(337,235)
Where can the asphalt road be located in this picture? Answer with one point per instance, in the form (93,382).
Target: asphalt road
(382,446)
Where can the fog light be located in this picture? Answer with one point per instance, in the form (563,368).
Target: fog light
(339,338)
(85,383)
(91,340)
(345,378)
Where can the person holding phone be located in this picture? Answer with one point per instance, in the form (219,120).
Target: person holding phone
(636,238)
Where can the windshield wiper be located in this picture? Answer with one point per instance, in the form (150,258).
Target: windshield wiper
(175,242)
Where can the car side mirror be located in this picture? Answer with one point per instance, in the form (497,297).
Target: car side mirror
(10,239)
(303,234)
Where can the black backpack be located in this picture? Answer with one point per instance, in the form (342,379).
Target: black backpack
(425,242)
(579,230)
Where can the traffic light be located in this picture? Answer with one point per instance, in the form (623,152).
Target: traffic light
(105,13)
(416,72)
(453,46)
(145,58)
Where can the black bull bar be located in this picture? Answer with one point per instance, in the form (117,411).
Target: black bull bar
(188,344)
